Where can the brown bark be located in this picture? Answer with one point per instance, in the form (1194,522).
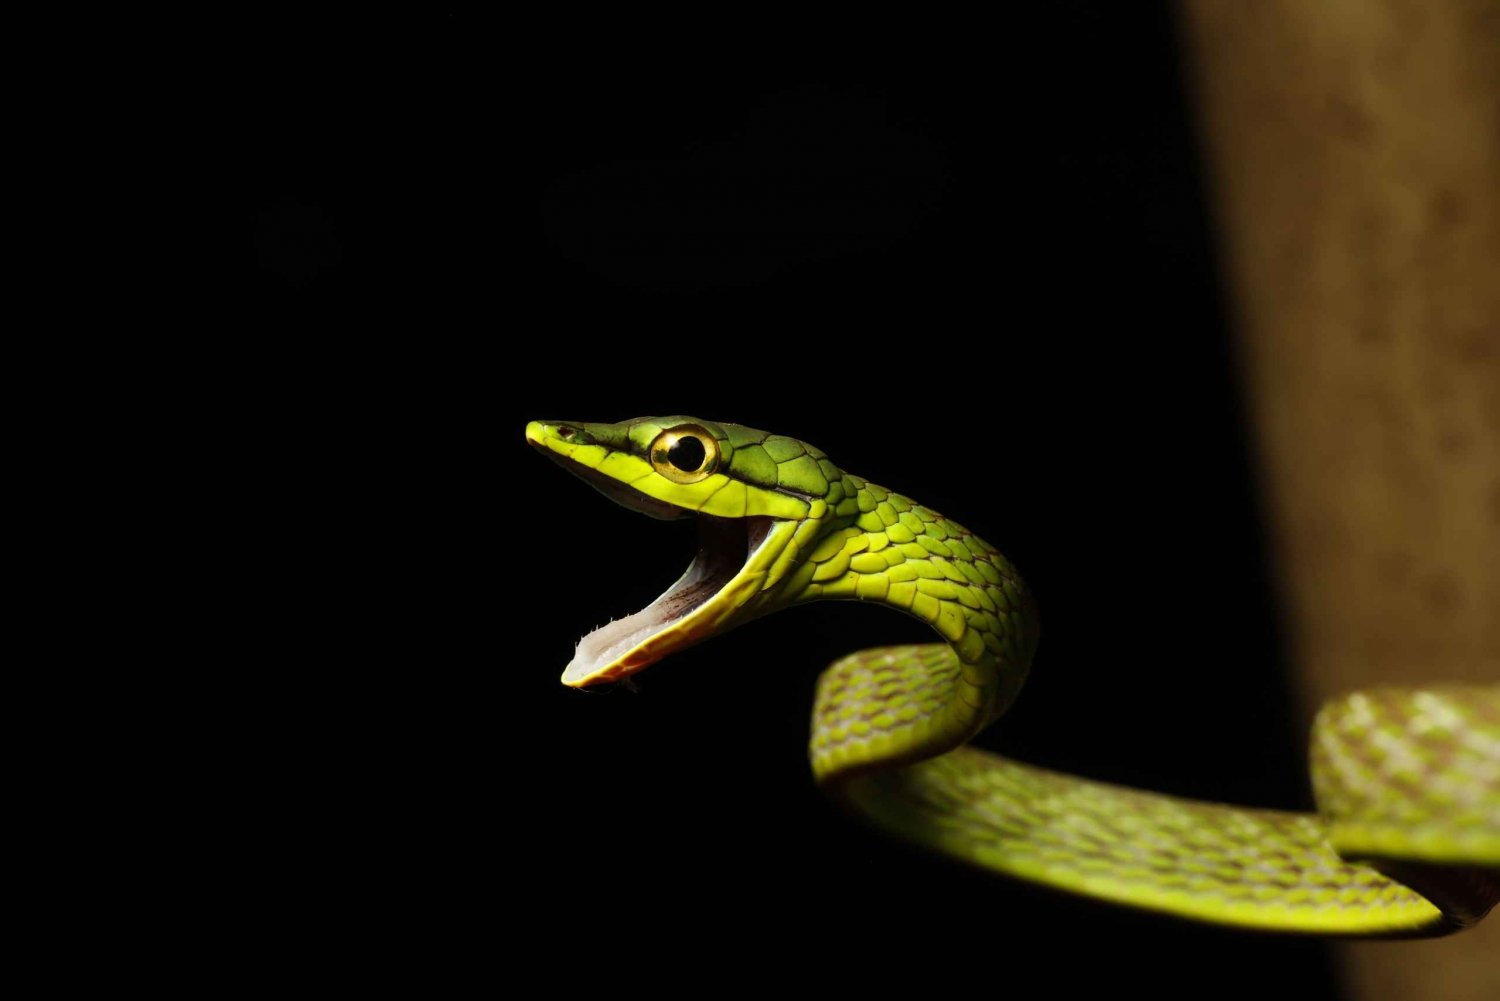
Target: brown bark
(1355,152)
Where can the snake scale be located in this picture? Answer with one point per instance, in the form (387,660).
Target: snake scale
(1407,837)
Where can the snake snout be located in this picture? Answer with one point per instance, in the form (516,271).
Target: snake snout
(540,433)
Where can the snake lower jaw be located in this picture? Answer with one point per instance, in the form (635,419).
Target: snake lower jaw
(725,574)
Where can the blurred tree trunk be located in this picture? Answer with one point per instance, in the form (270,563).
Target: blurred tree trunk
(1355,150)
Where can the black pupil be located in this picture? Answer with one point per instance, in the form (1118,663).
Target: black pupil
(687,454)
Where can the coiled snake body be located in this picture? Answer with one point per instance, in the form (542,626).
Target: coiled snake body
(1407,838)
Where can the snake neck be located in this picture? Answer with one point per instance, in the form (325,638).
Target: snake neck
(878,706)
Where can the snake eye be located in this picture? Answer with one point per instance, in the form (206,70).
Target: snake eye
(685,454)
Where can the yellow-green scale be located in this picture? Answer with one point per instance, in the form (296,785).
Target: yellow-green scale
(903,703)
(883,719)
(1409,778)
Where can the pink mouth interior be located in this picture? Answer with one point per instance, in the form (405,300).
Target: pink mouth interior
(725,545)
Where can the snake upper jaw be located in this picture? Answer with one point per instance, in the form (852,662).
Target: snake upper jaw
(620,493)
(739,543)
(730,569)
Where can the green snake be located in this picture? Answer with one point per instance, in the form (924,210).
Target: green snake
(1407,837)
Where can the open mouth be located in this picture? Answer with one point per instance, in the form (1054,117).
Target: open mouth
(738,558)
(688,611)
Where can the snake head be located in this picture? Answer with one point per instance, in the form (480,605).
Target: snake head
(748,490)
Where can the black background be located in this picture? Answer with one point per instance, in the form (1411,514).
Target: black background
(973,265)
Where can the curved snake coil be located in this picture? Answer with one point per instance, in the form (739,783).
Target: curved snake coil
(1407,840)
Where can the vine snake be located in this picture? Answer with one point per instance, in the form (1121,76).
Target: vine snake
(1407,838)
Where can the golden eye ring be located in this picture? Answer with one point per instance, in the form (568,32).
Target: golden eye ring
(685,454)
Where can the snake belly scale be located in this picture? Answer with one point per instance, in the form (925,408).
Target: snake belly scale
(1407,837)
